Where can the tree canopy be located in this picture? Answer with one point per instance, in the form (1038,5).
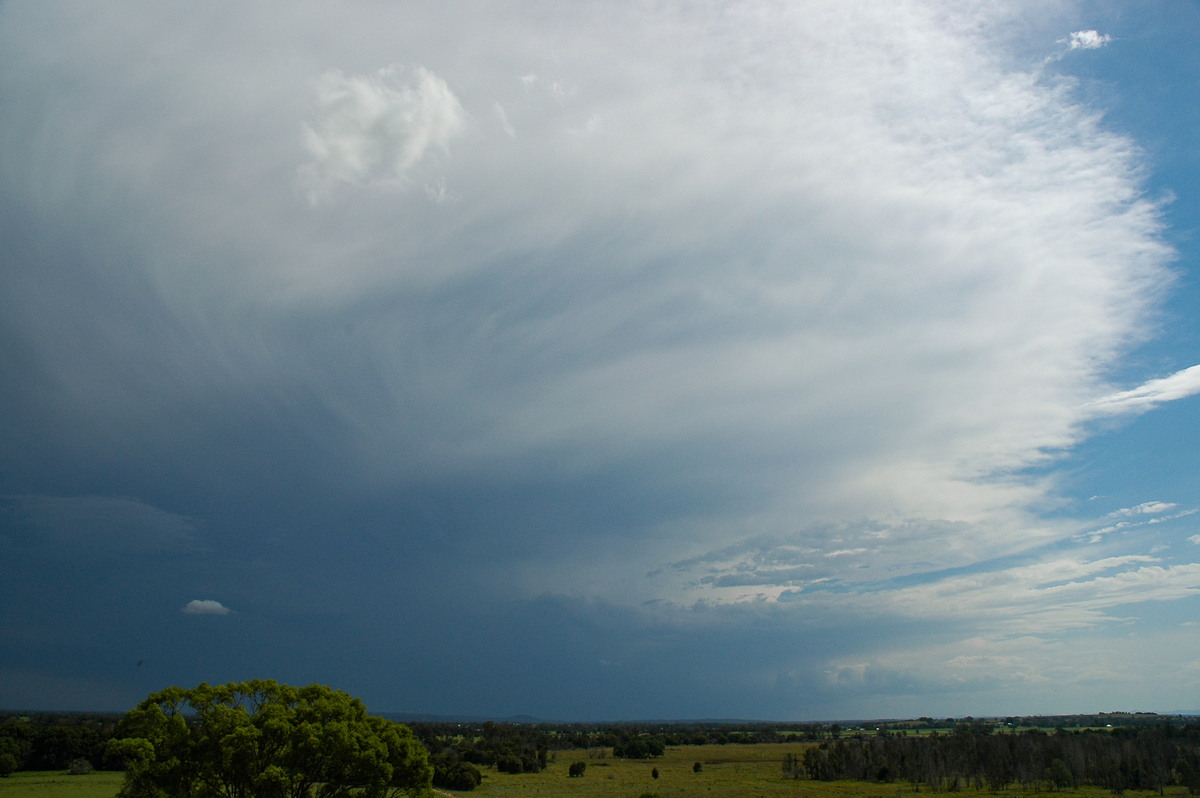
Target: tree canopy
(262,739)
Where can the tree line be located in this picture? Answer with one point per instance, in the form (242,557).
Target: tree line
(262,738)
(457,752)
(54,741)
(973,756)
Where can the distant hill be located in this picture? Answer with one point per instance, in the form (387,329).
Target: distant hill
(424,717)
(1098,719)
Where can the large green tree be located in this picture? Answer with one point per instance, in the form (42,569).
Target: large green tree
(262,739)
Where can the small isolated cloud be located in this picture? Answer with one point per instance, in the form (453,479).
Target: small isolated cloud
(1087,40)
(375,128)
(1081,40)
(1179,385)
(1194,539)
(205,607)
(1146,508)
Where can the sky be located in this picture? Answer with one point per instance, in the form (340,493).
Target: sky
(806,360)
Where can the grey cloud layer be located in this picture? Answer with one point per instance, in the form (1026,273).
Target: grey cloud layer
(754,298)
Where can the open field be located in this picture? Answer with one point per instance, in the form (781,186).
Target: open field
(56,784)
(728,771)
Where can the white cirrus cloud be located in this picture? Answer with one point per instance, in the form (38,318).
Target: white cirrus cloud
(376,128)
(1043,598)
(205,607)
(1144,514)
(1179,385)
(1146,508)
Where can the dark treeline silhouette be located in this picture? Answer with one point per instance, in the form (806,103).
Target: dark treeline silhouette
(1117,751)
(457,751)
(489,742)
(974,756)
(1093,721)
(53,741)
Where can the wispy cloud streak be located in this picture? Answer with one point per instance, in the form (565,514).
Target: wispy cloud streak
(1179,385)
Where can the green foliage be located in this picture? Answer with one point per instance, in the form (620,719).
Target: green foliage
(697,768)
(976,755)
(53,742)
(455,775)
(577,769)
(1187,775)
(13,749)
(1058,775)
(261,739)
(640,747)
(509,748)
(820,765)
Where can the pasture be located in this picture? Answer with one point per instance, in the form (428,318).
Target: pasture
(727,771)
(57,784)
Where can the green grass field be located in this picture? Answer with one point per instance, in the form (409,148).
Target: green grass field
(727,771)
(34,784)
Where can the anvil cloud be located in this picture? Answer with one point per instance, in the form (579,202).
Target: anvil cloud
(718,356)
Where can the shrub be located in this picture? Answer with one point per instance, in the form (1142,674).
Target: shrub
(459,776)
(576,769)
(79,767)
(509,764)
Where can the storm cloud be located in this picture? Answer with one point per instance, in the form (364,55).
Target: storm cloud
(647,335)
